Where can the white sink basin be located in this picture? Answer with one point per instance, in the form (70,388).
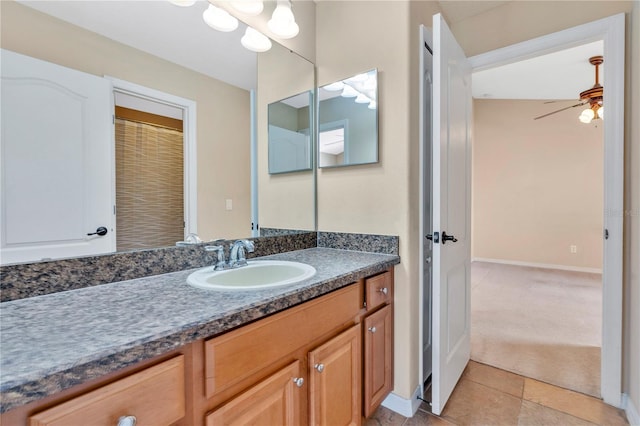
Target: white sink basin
(257,275)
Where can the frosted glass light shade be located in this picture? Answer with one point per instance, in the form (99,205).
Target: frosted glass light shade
(601,112)
(248,7)
(373,105)
(349,92)
(255,41)
(219,19)
(362,99)
(334,87)
(586,116)
(282,22)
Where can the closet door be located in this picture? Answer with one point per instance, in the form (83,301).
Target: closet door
(57,161)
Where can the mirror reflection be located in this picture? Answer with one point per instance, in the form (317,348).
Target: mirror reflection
(348,121)
(168,50)
(290,134)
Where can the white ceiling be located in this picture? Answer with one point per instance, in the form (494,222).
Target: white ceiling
(559,75)
(178,34)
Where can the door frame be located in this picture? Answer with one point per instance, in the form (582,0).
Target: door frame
(189,137)
(612,31)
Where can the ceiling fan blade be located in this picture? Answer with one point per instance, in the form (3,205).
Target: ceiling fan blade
(559,110)
(559,100)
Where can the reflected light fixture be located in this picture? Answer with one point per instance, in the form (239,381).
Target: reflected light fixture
(334,87)
(282,22)
(362,99)
(183,3)
(373,105)
(255,41)
(248,7)
(349,92)
(219,19)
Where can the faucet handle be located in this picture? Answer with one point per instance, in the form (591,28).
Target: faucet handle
(220,262)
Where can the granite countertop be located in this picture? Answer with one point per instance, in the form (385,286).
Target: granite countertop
(53,342)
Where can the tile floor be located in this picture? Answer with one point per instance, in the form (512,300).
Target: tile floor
(486,395)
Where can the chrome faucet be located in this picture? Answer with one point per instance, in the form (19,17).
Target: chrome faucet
(237,254)
(220,262)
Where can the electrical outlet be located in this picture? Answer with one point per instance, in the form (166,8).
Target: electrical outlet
(229,203)
(573,248)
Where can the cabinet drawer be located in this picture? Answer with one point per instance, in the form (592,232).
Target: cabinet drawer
(239,354)
(155,396)
(379,290)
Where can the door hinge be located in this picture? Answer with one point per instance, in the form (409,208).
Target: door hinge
(606,234)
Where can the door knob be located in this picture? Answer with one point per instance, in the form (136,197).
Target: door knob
(101,231)
(446,238)
(435,237)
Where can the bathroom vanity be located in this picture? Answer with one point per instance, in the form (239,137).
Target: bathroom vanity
(159,350)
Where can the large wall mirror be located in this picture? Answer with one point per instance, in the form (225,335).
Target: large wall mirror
(348,121)
(169,49)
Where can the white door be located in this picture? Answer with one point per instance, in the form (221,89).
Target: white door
(451,166)
(56,161)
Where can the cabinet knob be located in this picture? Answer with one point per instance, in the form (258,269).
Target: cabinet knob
(373,329)
(319,367)
(127,421)
(383,290)
(299,381)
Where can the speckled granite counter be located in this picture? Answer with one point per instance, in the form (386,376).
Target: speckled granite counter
(53,342)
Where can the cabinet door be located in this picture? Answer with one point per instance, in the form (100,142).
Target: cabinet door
(334,380)
(378,361)
(274,401)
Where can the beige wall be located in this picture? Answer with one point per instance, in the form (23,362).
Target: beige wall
(537,185)
(223,110)
(382,198)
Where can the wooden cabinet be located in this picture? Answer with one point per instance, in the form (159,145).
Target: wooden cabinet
(327,361)
(378,341)
(154,396)
(274,401)
(334,380)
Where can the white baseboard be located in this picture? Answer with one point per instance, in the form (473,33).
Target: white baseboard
(401,405)
(632,411)
(539,265)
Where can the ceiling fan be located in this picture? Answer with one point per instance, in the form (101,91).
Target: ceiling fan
(592,97)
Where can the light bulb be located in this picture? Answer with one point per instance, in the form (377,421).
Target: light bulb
(601,113)
(588,113)
(255,41)
(349,92)
(248,7)
(219,19)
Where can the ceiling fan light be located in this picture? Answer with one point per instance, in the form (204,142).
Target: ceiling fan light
(219,19)
(248,7)
(601,113)
(255,41)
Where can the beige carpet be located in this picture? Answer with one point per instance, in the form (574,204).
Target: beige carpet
(541,323)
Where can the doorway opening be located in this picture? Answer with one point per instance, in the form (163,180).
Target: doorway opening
(169,123)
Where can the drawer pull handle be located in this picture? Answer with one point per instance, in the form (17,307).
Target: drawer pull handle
(372,329)
(299,381)
(127,421)
(383,290)
(319,367)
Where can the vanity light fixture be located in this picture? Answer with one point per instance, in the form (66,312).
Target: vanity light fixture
(219,19)
(248,7)
(255,41)
(282,22)
(373,105)
(334,87)
(362,99)
(349,92)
